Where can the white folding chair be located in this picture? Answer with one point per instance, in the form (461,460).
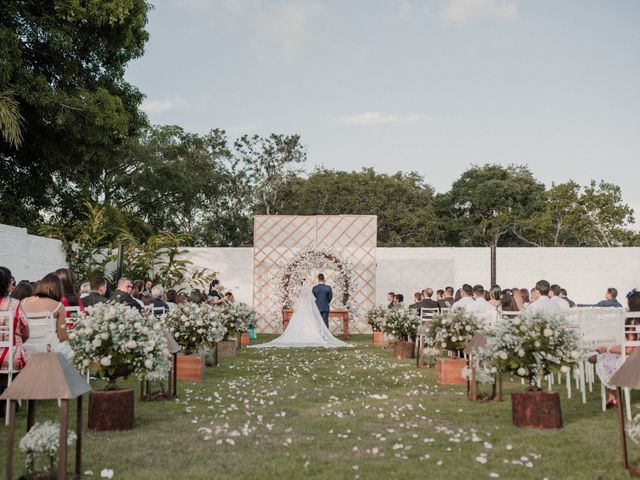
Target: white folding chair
(631,329)
(426,317)
(73,312)
(6,342)
(158,311)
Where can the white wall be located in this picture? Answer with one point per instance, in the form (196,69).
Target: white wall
(29,257)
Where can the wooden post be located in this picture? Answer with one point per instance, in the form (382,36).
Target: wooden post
(10,438)
(215,355)
(623,437)
(79,435)
(142,389)
(474,380)
(174,376)
(345,325)
(31,414)
(62,448)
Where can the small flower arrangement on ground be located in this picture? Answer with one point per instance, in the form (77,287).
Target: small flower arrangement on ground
(451,331)
(194,326)
(401,323)
(238,318)
(375,317)
(633,429)
(114,340)
(531,346)
(43,440)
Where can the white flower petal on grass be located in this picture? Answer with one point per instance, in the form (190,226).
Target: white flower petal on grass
(494,475)
(481,459)
(106,473)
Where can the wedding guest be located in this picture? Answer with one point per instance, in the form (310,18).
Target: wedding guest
(12,281)
(399,299)
(609,359)
(563,294)
(148,285)
(98,292)
(457,296)
(448,299)
(215,298)
(508,302)
(20,327)
(439,294)
(122,294)
(466,297)
(526,298)
(427,301)
(229,298)
(48,299)
(196,297)
(85,289)
(518,298)
(610,299)
(22,290)
(70,297)
(417,298)
(391,298)
(541,301)
(182,298)
(156,295)
(138,288)
(554,296)
(480,305)
(495,294)
(146,299)
(171,297)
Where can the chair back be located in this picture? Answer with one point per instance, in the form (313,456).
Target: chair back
(631,337)
(73,312)
(599,326)
(42,332)
(6,338)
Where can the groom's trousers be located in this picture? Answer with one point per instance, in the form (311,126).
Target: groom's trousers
(325,318)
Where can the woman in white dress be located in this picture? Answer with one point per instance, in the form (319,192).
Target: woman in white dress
(306,328)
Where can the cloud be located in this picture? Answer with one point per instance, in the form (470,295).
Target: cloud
(469,11)
(377,118)
(163,105)
(289,27)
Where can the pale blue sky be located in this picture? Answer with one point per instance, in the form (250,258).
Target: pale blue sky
(431,86)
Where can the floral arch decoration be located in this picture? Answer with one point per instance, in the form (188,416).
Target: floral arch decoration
(292,276)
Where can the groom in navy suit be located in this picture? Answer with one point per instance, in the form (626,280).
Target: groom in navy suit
(323,294)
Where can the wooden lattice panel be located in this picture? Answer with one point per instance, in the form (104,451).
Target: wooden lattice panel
(279,238)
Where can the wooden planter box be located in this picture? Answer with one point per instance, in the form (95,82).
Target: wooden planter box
(244,339)
(536,409)
(190,367)
(449,371)
(403,350)
(377,338)
(111,410)
(227,348)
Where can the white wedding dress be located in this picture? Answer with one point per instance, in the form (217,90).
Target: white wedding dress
(306,328)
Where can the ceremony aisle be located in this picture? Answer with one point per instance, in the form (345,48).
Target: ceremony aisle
(342,414)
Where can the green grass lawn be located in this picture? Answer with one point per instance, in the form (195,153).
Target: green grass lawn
(342,414)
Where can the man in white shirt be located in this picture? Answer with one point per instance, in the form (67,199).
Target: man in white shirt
(467,297)
(480,304)
(541,301)
(554,296)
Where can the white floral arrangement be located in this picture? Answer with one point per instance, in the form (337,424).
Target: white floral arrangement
(238,317)
(114,340)
(451,331)
(482,375)
(531,346)
(376,317)
(194,326)
(401,323)
(43,439)
(293,275)
(633,429)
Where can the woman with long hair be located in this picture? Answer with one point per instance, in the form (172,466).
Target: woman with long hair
(20,326)
(70,297)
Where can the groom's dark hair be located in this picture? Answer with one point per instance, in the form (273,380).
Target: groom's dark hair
(321,277)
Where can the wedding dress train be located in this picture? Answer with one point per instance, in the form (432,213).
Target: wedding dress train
(306,327)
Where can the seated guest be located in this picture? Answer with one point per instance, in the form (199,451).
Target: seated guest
(427,301)
(447,300)
(85,289)
(398,303)
(229,298)
(466,297)
(23,290)
(417,298)
(20,326)
(48,299)
(98,290)
(439,294)
(12,281)
(171,297)
(156,295)
(70,297)
(610,299)
(148,285)
(391,298)
(541,301)
(479,305)
(214,296)
(563,294)
(508,302)
(609,359)
(146,299)
(138,288)
(182,298)
(495,294)
(196,296)
(518,298)
(554,295)
(122,294)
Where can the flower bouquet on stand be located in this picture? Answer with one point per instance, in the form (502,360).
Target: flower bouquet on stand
(402,323)
(239,318)
(194,327)
(450,332)
(41,443)
(532,346)
(375,318)
(115,341)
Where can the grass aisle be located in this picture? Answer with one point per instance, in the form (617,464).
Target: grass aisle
(342,414)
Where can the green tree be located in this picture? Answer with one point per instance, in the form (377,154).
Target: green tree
(486,204)
(64,63)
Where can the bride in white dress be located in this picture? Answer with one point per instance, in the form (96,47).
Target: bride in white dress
(306,327)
